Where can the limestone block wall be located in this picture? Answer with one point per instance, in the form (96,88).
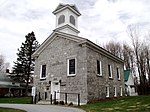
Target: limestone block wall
(96,85)
(55,57)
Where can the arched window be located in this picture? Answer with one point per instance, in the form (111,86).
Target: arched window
(61,19)
(72,20)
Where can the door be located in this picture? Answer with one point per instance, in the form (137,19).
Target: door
(55,87)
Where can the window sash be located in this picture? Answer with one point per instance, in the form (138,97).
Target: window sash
(110,71)
(115,92)
(43,71)
(99,68)
(107,91)
(71,67)
(120,91)
(118,73)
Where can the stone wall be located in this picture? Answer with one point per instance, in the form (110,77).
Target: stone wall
(55,57)
(97,84)
(86,82)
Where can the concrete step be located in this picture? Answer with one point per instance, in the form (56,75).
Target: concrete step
(44,102)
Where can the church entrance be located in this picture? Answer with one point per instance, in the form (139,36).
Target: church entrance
(55,87)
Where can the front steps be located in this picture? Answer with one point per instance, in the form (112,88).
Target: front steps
(44,102)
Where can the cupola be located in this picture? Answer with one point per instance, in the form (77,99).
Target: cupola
(67,18)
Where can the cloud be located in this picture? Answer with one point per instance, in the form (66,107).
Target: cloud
(108,19)
(18,18)
(101,20)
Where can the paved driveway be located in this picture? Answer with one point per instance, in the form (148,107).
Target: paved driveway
(41,108)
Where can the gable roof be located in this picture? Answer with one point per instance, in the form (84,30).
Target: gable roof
(4,77)
(79,40)
(126,74)
(67,26)
(55,34)
(72,7)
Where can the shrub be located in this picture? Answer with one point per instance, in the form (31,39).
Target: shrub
(70,104)
(61,102)
(56,102)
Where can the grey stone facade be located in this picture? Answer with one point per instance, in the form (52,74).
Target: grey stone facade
(64,45)
(55,52)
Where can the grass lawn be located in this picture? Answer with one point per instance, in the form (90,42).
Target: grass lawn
(20,100)
(10,110)
(125,104)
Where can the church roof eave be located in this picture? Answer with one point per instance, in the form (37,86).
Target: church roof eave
(72,7)
(102,50)
(52,37)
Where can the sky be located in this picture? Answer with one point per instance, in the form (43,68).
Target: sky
(101,21)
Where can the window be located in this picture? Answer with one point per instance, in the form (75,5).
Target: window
(71,67)
(110,71)
(120,91)
(99,68)
(72,20)
(118,73)
(61,19)
(43,72)
(107,91)
(115,92)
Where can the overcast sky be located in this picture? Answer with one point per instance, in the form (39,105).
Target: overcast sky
(100,22)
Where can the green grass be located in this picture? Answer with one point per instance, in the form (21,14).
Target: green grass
(10,110)
(126,104)
(20,100)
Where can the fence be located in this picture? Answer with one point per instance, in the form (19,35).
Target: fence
(65,97)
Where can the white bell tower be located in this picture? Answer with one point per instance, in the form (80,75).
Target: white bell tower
(67,18)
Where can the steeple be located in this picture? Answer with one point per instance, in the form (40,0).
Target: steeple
(67,18)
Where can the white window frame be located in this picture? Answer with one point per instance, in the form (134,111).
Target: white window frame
(107,91)
(100,67)
(118,73)
(110,71)
(68,67)
(41,72)
(120,90)
(115,91)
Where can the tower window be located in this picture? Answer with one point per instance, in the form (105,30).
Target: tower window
(72,20)
(61,19)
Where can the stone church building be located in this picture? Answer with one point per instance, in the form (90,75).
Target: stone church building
(67,63)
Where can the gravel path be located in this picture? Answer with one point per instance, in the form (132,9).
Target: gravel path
(42,108)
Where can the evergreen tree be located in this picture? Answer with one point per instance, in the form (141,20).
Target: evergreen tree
(25,63)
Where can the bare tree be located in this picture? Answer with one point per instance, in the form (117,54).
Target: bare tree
(2,62)
(134,35)
(3,65)
(114,47)
(123,51)
(128,57)
(141,57)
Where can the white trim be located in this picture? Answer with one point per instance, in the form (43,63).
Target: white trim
(68,67)
(120,90)
(115,91)
(100,67)
(110,71)
(56,88)
(41,72)
(107,91)
(118,73)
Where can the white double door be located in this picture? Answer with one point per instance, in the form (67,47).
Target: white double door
(55,87)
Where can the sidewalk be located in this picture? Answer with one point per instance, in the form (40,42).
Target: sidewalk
(41,108)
